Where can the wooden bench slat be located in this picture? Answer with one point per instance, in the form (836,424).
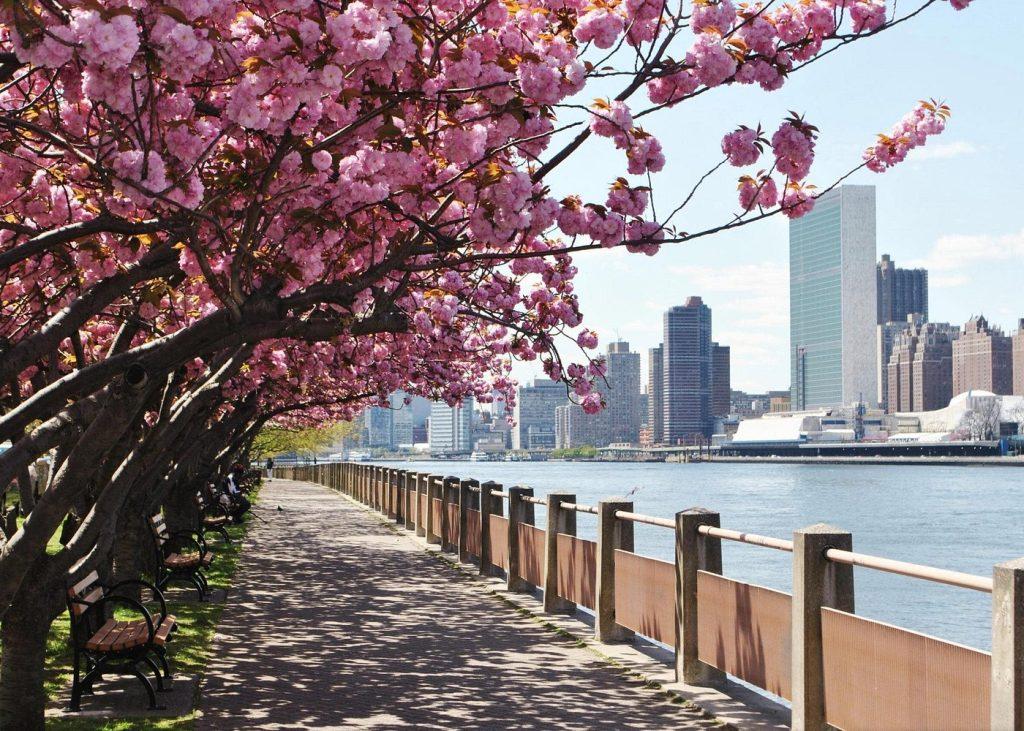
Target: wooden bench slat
(85,583)
(135,634)
(102,640)
(96,640)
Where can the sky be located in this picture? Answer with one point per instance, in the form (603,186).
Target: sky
(955,207)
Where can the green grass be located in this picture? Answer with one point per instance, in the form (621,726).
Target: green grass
(188,653)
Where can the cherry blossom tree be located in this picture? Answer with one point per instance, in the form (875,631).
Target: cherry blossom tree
(215,214)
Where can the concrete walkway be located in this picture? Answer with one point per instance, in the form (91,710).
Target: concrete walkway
(337,622)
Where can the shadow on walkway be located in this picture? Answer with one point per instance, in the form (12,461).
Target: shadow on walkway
(337,622)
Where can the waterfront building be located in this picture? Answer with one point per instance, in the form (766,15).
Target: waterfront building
(1018,359)
(833,300)
(720,380)
(901,292)
(687,372)
(534,414)
(982,359)
(919,374)
(779,401)
(620,420)
(401,426)
(451,428)
(885,337)
(655,402)
(576,428)
(750,405)
(377,425)
(489,442)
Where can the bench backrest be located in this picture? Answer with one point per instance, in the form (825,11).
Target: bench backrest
(84,593)
(160,532)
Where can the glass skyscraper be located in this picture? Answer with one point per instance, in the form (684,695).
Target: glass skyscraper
(833,300)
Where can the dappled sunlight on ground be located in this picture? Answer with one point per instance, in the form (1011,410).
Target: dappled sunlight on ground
(336,621)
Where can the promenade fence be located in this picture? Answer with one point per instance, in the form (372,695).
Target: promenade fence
(808,647)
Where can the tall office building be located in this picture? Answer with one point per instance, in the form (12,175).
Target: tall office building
(620,421)
(919,375)
(886,335)
(1018,359)
(534,414)
(901,292)
(832,300)
(402,428)
(655,402)
(377,423)
(720,380)
(451,427)
(982,359)
(575,428)
(687,372)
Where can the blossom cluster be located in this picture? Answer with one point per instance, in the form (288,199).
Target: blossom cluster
(927,119)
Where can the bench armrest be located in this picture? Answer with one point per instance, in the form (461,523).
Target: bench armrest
(192,537)
(159,595)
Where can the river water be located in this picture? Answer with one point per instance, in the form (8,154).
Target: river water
(962,518)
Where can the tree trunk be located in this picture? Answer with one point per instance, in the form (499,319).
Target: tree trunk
(25,492)
(132,548)
(180,511)
(23,633)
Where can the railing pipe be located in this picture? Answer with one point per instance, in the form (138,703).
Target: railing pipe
(646,519)
(917,571)
(752,538)
(579,508)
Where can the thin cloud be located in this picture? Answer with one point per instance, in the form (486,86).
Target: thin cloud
(953,254)
(945,150)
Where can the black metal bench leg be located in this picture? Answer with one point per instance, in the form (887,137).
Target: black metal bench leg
(161,655)
(90,677)
(149,688)
(76,685)
(224,535)
(199,587)
(156,672)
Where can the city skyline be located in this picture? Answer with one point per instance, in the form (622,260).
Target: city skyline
(951,208)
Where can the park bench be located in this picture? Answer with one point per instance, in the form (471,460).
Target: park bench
(180,556)
(105,644)
(212,517)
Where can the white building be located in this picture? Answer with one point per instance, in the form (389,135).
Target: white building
(833,300)
(451,428)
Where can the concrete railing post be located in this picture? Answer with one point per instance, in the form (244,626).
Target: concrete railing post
(465,503)
(486,502)
(398,497)
(393,495)
(433,493)
(421,517)
(612,534)
(559,520)
(408,493)
(817,583)
(449,486)
(1008,646)
(694,552)
(517,513)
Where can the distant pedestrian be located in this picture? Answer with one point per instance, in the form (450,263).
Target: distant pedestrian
(270,467)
